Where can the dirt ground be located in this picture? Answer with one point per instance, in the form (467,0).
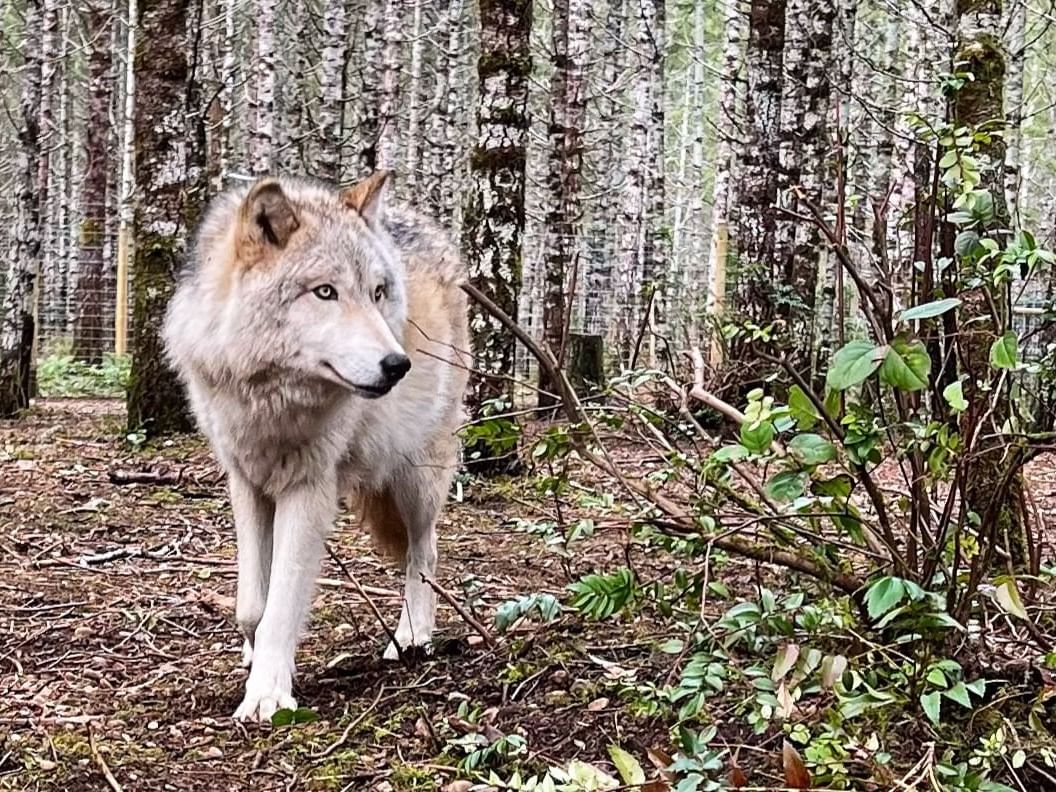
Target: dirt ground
(119,654)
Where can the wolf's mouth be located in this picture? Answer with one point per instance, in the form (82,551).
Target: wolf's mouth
(367,391)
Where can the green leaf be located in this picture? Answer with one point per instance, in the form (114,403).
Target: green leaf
(802,408)
(282,717)
(966,241)
(853,364)
(758,438)
(832,668)
(1004,354)
(1007,596)
(627,766)
(883,595)
(959,693)
(906,365)
(949,159)
(954,396)
(731,453)
(929,310)
(786,486)
(811,449)
(932,703)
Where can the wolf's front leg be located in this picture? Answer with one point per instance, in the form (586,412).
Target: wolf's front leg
(254,515)
(303,517)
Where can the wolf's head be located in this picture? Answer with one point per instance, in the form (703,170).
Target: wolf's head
(313,285)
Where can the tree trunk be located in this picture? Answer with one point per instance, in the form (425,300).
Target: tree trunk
(989,489)
(493,223)
(369,89)
(262,136)
(604,229)
(412,167)
(570,42)
(331,116)
(656,241)
(722,198)
(89,321)
(1016,37)
(388,151)
(754,217)
(170,172)
(50,314)
(442,176)
(16,330)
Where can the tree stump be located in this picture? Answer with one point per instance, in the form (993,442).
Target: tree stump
(586,363)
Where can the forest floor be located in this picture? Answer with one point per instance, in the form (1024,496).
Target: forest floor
(119,653)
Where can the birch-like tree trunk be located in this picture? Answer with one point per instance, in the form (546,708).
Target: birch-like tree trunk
(89,320)
(656,241)
(331,82)
(604,236)
(412,165)
(722,198)
(1015,38)
(16,312)
(50,312)
(228,87)
(262,135)
(169,173)
(493,220)
(367,129)
(442,175)
(570,42)
(634,205)
(388,151)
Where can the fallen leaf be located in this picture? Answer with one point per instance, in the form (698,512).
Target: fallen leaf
(738,779)
(1007,596)
(796,775)
(627,766)
(598,704)
(786,659)
(458,786)
(832,668)
(786,706)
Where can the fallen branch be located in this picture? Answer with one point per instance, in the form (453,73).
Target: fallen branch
(467,617)
(348,729)
(370,604)
(103,767)
(157,477)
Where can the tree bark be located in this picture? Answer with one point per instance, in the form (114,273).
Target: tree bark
(262,135)
(493,220)
(570,43)
(16,316)
(170,175)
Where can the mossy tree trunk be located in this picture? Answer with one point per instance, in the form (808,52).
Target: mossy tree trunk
(993,487)
(493,221)
(23,257)
(170,177)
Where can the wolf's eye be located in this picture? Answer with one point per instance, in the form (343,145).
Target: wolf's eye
(380,292)
(325,292)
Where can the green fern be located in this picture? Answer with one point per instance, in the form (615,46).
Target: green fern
(602,596)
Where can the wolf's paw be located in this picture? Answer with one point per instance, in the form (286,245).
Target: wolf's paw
(267,691)
(247,654)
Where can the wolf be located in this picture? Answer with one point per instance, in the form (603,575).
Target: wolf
(321,337)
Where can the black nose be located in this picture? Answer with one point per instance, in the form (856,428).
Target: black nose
(394,367)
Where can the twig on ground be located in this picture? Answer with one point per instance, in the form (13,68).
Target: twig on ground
(467,617)
(370,604)
(101,762)
(157,477)
(348,729)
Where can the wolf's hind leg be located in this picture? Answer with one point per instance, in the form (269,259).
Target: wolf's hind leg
(419,494)
(254,518)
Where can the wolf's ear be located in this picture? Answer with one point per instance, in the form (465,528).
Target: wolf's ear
(267,218)
(368,196)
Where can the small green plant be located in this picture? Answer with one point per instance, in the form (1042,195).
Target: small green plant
(60,374)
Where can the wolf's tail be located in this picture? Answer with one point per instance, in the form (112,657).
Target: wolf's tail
(378,513)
